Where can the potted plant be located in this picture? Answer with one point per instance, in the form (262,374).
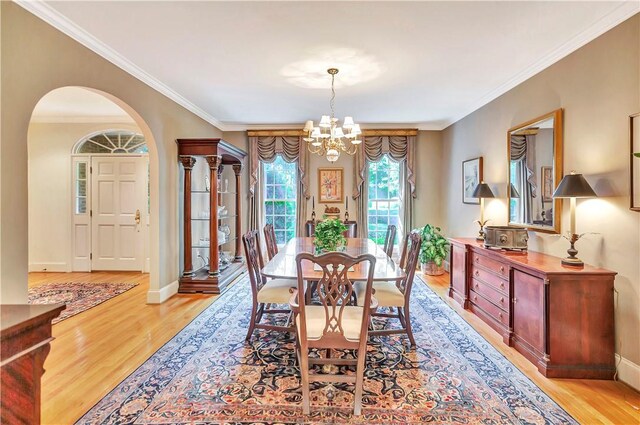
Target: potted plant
(329,236)
(434,249)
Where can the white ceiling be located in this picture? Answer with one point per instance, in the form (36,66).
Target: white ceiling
(75,104)
(245,64)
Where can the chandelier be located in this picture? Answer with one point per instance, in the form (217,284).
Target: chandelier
(329,139)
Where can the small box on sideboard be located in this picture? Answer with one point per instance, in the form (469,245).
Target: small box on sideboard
(561,318)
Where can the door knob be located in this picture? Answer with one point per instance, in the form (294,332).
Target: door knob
(137,218)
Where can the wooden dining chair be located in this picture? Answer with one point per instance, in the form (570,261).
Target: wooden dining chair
(396,294)
(270,241)
(389,239)
(265,293)
(333,324)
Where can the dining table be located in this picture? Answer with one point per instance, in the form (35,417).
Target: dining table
(283,264)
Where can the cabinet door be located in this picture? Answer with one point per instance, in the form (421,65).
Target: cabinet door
(528,309)
(458,268)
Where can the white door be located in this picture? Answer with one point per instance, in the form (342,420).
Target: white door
(118,202)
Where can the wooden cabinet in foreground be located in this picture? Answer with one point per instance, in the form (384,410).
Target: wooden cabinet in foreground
(212,216)
(560,318)
(25,334)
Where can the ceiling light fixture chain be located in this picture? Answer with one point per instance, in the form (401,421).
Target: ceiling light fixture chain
(329,139)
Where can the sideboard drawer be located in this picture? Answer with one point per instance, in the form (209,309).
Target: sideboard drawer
(492,279)
(493,311)
(497,267)
(492,294)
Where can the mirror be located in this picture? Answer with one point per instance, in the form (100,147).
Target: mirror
(534,155)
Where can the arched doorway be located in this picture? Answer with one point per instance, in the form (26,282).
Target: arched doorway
(79,114)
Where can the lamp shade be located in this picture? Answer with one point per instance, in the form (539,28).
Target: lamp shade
(483,190)
(513,192)
(574,186)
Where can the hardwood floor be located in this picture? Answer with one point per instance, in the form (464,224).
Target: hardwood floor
(97,349)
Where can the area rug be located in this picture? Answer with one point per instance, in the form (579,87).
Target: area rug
(77,296)
(207,374)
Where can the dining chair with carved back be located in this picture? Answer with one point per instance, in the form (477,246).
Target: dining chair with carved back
(396,294)
(270,241)
(389,240)
(333,324)
(265,293)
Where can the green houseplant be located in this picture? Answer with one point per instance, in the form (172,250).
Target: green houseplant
(434,249)
(329,235)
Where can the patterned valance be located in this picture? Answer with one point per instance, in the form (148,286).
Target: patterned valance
(399,148)
(266,148)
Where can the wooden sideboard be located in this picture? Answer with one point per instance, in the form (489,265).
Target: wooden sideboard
(560,318)
(25,334)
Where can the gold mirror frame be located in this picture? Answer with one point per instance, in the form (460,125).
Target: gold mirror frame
(634,147)
(558,172)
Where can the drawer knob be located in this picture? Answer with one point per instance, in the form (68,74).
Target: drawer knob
(477,286)
(499,314)
(475,298)
(477,259)
(501,300)
(502,286)
(477,273)
(515,300)
(501,269)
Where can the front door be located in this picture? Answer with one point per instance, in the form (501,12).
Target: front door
(118,202)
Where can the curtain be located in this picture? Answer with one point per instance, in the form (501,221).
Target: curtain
(265,149)
(400,149)
(523,151)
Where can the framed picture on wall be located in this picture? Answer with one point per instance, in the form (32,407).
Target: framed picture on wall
(471,177)
(546,174)
(330,185)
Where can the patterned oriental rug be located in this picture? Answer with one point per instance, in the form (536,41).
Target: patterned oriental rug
(77,296)
(208,374)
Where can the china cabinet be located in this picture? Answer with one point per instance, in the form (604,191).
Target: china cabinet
(211,213)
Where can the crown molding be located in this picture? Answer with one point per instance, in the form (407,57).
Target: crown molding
(623,12)
(82,119)
(51,16)
(54,18)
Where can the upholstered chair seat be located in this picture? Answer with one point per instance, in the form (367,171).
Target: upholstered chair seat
(276,291)
(386,293)
(316,322)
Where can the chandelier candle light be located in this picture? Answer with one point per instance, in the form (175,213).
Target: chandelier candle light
(329,139)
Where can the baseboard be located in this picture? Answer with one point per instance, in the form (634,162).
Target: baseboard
(628,372)
(48,267)
(163,294)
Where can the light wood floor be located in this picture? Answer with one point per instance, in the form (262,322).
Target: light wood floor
(95,350)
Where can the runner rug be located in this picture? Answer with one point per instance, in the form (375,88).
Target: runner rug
(208,374)
(77,296)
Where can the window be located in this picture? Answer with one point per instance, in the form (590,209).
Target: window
(384,201)
(113,142)
(81,188)
(280,182)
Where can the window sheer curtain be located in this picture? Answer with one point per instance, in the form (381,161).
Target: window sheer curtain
(400,148)
(265,149)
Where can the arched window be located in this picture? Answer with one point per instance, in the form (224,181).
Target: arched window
(113,142)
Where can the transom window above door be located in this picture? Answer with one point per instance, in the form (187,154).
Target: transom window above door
(113,142)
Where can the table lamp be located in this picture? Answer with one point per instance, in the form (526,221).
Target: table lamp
(482,191)
(573,186)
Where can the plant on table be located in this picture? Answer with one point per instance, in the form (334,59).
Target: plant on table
(329,235)
(434,249)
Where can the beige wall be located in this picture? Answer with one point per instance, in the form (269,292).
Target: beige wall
(599,87)
(50,190)
(36,58)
